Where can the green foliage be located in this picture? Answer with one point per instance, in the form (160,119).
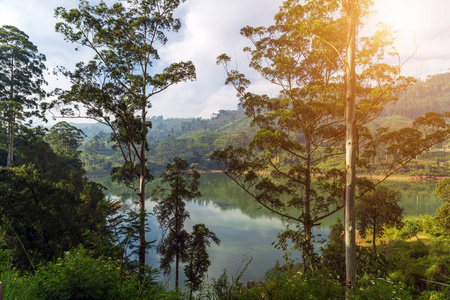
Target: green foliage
(14,286)
(171,212)
(378,209)
(290,283)
(225,287)
(65,139)
(410,228)
(429,224)
(197,258)
(431,94)
(21,81)
(372,263)
(433,295)
(378,289)
(443,190)
(442,218)
(301,129)
(47,206)
(333,253)
(79,276)
(178,245)
(116,86)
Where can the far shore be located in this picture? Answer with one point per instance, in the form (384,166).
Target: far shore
(370,176)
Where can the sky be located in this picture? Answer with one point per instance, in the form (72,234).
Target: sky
(211,27)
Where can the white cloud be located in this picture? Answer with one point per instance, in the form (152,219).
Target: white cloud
(211,27)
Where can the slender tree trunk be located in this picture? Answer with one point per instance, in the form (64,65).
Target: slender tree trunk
(177,238)
(142,242)
(10,157)
(142,181)
(308,246)
(11,120)
(350,148)
(177,274)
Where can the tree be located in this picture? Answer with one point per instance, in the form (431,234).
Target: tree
(116,86)
(443,213)
(352,11)
(301,131)
(197,258)
(333,253)
(21,81)
(377,210)
(65,139)
(171,212)
(47,206)
(443,190)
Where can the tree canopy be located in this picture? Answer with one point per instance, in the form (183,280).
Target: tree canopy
(378,209)
(21,81)
(116,86)
(303,128)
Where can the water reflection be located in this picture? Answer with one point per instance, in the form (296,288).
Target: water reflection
(247,230)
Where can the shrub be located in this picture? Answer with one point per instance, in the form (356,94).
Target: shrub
(78,276)
(442,218)
(292,284)
(379,288)
(411,227)
(372,263)
(434,295)
(14,286)
(419,252)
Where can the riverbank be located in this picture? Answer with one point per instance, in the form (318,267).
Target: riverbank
(370,176)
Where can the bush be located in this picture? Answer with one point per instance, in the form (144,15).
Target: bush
(372,263)
(14,286)
(442,218)
(78,276)
(434,295)
(292,284)
(379,288)
(411,227)
(419,252)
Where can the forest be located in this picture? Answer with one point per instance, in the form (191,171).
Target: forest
(344,122)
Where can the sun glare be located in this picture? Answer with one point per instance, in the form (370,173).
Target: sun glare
(403,15)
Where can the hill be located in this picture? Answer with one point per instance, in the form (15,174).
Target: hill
(195,138)
(431,95)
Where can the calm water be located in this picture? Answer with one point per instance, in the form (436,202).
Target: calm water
(247,231)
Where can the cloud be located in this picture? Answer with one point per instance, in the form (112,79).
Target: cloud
(210,28)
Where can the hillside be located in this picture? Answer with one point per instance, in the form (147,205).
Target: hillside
(194,139)
(431,95)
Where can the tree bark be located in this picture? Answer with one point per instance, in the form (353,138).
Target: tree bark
(142,213)
(142,242)
(350,148)
(10,157)
(11,120)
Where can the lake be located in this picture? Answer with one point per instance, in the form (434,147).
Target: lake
(247,231)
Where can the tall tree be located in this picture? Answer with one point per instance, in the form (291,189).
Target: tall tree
(21,81)
(65,139)
(197,258)
(302,131)
(116,86)
(171,212)
(352,10)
